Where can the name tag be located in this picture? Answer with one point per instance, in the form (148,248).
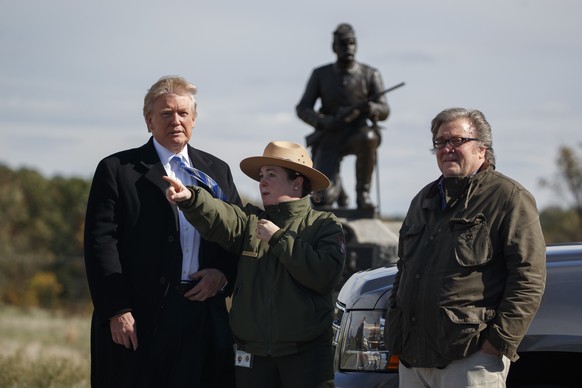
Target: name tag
(250,254)
(243,359)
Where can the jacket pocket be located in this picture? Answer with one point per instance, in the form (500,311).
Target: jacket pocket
(460,329)
(471,238)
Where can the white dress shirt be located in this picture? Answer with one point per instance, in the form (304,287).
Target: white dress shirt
(189,236)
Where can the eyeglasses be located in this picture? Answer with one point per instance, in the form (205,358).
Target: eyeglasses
(453,141)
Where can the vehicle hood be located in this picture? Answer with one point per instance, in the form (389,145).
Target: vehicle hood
(367,290)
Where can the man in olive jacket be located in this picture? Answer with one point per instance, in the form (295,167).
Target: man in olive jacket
(471,269)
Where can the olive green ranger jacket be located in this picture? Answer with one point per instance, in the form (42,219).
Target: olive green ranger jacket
(471,267)
(282,298)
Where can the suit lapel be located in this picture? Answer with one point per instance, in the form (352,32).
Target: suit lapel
(154,171)
(200,162)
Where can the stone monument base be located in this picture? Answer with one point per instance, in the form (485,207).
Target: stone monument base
(350,214)
(370,241)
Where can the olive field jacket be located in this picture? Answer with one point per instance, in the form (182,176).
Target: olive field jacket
(468,270)
(282,298)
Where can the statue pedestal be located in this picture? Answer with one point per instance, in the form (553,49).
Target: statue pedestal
(370,241)
(350,214)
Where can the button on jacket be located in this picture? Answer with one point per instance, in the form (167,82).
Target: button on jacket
(469,271)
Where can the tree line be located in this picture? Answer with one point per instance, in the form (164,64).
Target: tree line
(41,239)
(41,231)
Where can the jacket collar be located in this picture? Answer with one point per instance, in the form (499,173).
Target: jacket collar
(445,191)
(289,209)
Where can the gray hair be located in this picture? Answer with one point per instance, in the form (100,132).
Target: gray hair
(478,123)
(169,85)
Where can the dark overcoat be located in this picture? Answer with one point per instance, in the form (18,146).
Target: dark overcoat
(133,259)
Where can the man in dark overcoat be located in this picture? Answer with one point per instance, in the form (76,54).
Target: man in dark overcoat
(158,288)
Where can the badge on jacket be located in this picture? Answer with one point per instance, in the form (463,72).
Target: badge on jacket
(243,359)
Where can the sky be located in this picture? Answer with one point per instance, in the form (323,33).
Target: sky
(73,75)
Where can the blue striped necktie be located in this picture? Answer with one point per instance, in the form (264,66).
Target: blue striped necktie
(200,177)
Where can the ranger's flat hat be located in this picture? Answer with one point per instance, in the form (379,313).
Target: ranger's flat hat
(288,155)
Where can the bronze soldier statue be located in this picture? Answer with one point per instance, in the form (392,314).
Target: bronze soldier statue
(352,102)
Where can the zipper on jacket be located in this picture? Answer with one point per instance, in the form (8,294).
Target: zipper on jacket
(269,304)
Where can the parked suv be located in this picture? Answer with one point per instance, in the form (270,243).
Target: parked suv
(550,353)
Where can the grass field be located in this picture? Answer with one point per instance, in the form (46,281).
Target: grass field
(41,348)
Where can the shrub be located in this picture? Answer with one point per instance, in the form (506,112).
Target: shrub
(44,290)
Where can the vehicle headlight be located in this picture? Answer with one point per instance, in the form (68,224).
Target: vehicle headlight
(338,314)
(360,342)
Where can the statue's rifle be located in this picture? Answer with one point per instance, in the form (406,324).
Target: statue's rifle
(347,114)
